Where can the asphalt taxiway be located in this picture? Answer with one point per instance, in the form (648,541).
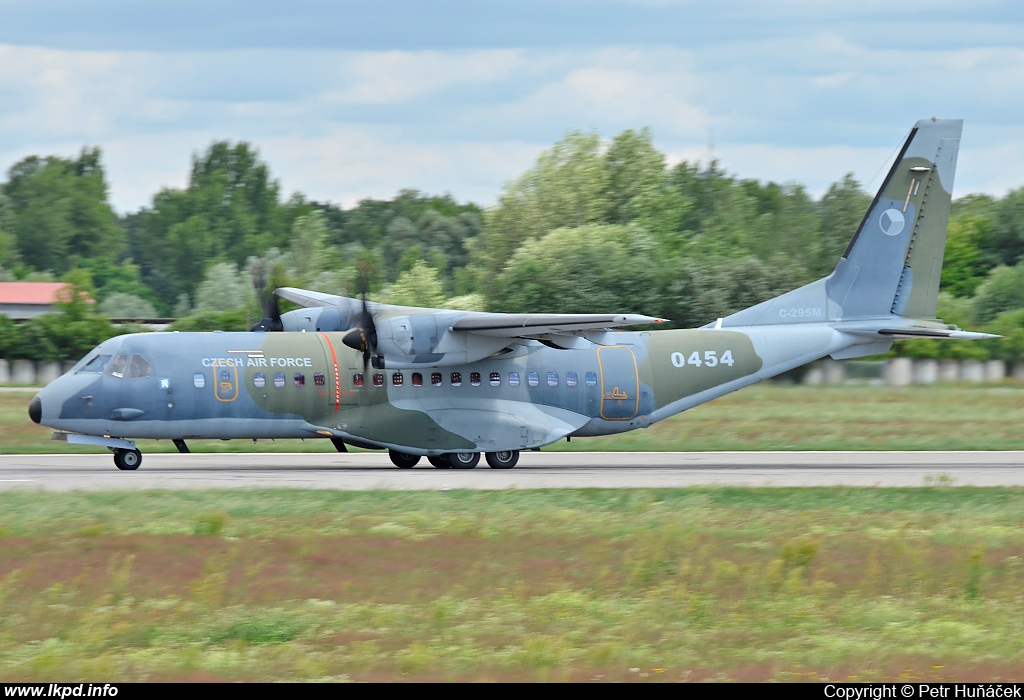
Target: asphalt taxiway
(362,471)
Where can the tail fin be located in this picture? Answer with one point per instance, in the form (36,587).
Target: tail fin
(892,266)
(894,262)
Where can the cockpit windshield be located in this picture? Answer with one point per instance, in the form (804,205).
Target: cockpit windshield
(96,364)
(130,366)
(118,367)
(139,367)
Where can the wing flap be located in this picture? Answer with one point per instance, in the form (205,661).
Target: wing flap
(531,325)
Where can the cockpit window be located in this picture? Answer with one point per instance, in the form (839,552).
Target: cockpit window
(140,367)
(96,364)
(130,366)
(119,366)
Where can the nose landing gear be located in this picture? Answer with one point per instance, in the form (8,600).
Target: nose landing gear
(127,460)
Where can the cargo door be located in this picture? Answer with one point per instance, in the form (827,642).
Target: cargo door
(620,386)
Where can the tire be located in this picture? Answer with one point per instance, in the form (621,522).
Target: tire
(127,460)
(403,460)
(464,460)
(440,461)
(502,460)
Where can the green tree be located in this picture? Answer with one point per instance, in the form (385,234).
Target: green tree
(420,286)
(702,290)
(598,268)
(842,209)
(567,187)
(963,267)
(225,288)
(1002,290)
(640,190)
(123,305)
(58,212)
(311,254)
(10,339)
(231,210)
(1004,242)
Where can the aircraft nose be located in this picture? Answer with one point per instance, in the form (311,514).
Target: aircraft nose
(35,409)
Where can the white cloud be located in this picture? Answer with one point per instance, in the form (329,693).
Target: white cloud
(354,162)
(806,104)
(397,77)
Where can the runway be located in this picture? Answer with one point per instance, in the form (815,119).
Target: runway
(363,471)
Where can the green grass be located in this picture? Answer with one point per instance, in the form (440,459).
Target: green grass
(671,584)
(763,417)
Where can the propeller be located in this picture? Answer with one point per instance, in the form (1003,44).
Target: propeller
(364,336)
(271,305)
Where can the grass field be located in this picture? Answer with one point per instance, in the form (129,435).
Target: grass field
(689,584)
(762,417)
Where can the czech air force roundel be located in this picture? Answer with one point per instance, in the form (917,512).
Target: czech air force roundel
(892,222)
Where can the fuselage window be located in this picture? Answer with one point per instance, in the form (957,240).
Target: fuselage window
(279,379)
(417,379)
(300,379)
(357,379)
(378,379)
(259,380)
(495,378)
(456,378)
(552,378)
(118,367)
(397,379)
(199,380)
(435,379)
(533,379)
(591,379)
(318,379)
(513,378)
(96,364)
(139,367)
(571,379)
(474,379)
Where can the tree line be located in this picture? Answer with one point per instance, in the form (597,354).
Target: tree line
(591,227)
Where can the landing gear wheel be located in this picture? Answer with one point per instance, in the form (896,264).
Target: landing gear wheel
(440,461)
(502,460)
(127,460)
(403,460)
(464,460)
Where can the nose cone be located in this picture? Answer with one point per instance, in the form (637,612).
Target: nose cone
(35,409)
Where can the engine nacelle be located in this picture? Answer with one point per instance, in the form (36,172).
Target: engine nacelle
(417,340)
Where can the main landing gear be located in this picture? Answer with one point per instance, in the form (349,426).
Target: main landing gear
(128,460)
(458,460)
(403,460)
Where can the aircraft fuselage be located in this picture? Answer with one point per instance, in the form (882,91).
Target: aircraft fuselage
(303,385)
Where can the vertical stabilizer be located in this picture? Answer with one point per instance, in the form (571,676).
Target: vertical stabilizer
(893,264)
(894,261)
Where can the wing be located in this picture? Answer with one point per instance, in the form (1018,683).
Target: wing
(308,299)
(407,336)
(534,325)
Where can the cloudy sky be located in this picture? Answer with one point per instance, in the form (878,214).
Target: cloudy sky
(347,100)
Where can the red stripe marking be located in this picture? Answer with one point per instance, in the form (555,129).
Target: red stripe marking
(337,375)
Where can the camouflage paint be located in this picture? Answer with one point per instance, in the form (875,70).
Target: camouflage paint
(557,383)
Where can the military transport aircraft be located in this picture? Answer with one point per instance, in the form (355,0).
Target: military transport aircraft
(449,385)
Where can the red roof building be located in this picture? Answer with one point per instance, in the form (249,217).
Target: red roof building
(23,300)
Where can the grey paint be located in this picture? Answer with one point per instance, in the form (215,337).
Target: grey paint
(640,378)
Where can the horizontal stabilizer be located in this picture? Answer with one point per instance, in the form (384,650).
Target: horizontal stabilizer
(910,332)
(931,333)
